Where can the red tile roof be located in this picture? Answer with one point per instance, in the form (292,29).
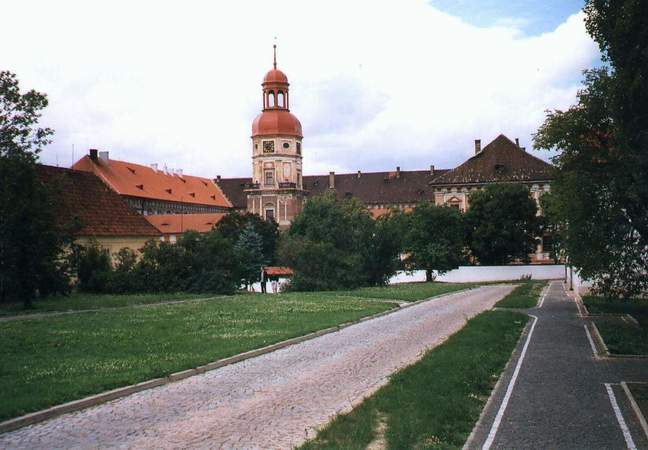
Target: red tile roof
(277,271)
(371,187)
(500,161)
(82,196)
(135,180)
(179,223)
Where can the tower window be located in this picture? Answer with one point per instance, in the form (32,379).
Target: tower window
(299,148)
(280,99)
(268,146)
(268,179)
(286,145)
(272,102)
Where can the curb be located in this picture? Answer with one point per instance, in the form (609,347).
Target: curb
(94,400)
(635,408)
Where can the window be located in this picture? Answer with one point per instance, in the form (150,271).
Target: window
(269,214)
(268,146)
(269,177)
(299,148)
(286,171)
(286,145)
(280,99)
(272,102)
(299,179)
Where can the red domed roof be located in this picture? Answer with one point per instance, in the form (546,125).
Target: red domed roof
(276,121)
(275,76)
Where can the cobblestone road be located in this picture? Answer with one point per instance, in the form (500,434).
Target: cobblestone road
(272,401)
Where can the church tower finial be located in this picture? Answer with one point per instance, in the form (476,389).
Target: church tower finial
(274,61)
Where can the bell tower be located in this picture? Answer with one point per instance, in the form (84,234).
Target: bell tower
(276,190)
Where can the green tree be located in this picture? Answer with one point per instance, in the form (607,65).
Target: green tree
(249,249)
(434,239)
(232,225)
(600,195)
(335,244)
(30,246)
(501,224)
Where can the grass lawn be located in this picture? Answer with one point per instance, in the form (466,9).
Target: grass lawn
(640,393)
(80,301)
(410,292)
(435,402)
(619,336)
(47,361)
(526,295)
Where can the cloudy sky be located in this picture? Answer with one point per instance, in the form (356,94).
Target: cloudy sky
(374,83)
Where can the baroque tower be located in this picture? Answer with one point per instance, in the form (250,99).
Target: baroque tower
(276,190)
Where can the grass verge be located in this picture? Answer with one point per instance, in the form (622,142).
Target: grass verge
(621,337)
(640,393)
(81,301)
(48,361)
(526,295)
(410,292)
(435,402)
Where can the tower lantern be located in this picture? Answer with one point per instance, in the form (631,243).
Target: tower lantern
(276,191)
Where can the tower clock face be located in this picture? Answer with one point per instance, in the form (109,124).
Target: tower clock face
(268,146)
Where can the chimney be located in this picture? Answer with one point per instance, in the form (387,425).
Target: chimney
(93,154)
(154,167)
(477,146)
(517,142)
(331,180)
(359,174)
(218,178)
(431,169)
(104,156)
(179,172)
(397,171)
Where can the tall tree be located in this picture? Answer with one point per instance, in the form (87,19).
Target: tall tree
(600,194)
(232,225)
(501,224)
(249,249)
(434,239)
(29,243)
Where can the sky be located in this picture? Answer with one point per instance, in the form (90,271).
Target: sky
(376,84)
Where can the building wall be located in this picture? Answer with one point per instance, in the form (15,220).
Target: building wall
(115,243)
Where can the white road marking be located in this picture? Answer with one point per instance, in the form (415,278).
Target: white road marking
(591,341)
(509,390)
(617,412)
(544,295)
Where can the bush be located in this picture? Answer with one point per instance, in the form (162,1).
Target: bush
(94,267)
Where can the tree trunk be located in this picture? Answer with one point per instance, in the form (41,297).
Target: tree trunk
(428,275)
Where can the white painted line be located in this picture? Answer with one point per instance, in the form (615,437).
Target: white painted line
(635,408)
(622,423)
(544,295)
(509,390)
(591,341)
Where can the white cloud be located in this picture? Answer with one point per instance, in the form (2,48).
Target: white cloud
(374,83)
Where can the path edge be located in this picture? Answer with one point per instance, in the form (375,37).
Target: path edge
(114,394)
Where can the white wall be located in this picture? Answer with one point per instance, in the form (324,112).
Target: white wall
(466,274)
(575,282)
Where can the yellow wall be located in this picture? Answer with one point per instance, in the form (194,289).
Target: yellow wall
(114,244)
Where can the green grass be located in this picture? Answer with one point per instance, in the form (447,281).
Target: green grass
(48,361)
(80,301)
(410,292)
(621,337)
(526,295)
(435,402)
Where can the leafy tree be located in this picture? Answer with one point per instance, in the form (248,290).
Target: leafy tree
(249,249)
(232,225)
(335,244)
(435,239)
(600,194)
(94,267)
(30,246)
(381,253)
(501,224)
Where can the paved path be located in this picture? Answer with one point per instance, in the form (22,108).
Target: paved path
(559,399)
(273,401)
